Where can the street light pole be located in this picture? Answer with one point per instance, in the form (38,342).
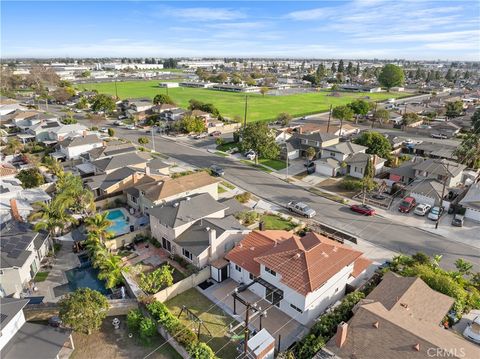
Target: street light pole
(153,138)
(441,199)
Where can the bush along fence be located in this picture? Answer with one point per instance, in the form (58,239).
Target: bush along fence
(325,327)
(176,333)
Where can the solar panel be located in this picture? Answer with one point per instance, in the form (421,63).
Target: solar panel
(2,317)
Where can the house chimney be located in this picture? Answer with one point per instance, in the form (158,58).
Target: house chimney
(261,225)
(212,239)
(300,130)
(342,331)
(147,170)
(84,133)
(14,209)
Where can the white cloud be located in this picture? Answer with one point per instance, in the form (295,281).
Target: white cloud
(312,14)
(203,14)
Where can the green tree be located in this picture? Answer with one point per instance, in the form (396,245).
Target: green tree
(105,103)
(343,113)
(99,224)
(468,152)
(110,267)
(463,266)
(52,217)
(201,351)
(73,195)
(321,72)
(310,152)
(409,118)
(264,90)
(153,282)
(192,124)
(454,109)
(391,76)
(147,329)
(341,66)
(111,132)
(30,177)
(333,68)
(284,118)
(257,136)
(360,107)
(380,116)
(143,140)
(53,165)
(161,99)
(84,310)
(376,143)
(86,74)
(476,121)
(450,75)
(13,146)
(82,103)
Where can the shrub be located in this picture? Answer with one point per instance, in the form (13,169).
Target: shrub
(147,329)
(153,282)
(247,217)
(351,184)
(201,351)
(143,140)
(134,317)
(243,197)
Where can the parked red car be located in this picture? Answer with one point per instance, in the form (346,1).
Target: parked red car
(407,204)
(215,133)
(363,209)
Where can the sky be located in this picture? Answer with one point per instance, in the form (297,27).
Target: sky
(384,29)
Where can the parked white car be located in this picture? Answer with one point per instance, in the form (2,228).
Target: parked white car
(422,209)
(301,209)
(472,331)
(435,213)
(251,155)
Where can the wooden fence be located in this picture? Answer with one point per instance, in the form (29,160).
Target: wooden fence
(183,285)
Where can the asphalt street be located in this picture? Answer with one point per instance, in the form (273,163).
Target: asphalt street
(380,231)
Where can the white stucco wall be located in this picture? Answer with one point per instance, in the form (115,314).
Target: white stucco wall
(11,329)
(76,151)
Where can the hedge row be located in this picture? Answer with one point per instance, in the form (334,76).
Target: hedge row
(182,334)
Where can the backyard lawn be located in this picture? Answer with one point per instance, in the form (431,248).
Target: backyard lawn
(216,320)
(271,221)
(40,276)
(232,104)
(111,343)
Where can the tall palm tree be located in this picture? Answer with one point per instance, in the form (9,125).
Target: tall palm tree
(52,217)
(111,270)
(74,196)
(99,224)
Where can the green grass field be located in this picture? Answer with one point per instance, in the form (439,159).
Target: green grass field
(275,222)
(232,104)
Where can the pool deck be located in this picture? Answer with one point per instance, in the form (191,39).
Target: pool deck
(64,260)
(132,220)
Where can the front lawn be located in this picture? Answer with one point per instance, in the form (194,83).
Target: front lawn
(227,146)
(272,221)
(228,185)
(216,320)
(275,164)
(40,276)
(221,189)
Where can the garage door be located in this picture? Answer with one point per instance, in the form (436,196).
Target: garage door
(423,199)
(324,170)
(472,214)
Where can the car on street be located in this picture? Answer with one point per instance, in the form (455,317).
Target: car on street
(301,209)
(441,136)
(435,213)
(217,170)
(472,331)
(200,135)
(251,155)
(215,133)
(422,209)
(457,220)
(130,127)
(104,130)
(407,204)
(363,209)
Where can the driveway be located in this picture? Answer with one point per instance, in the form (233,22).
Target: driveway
(281,326)
(466,319)
(294,167)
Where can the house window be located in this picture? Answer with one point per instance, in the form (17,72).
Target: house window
(250,275)
(187,254)
(336,290)
(296,308)
(238,268)
(272,272)
(332,154)
(133,199)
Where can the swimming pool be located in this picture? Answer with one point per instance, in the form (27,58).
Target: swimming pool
(85,276)
(120,224)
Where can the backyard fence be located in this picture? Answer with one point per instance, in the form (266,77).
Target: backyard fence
(183,285)
(105,201)
(125,239)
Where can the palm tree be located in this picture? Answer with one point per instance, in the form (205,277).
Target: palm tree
(74,196)
(99,224)
(52,217)
(111,270)
(13,146)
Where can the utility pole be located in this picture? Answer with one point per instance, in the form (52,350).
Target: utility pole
(286,148)
(329,117)
(245,113)
(374,113)
(441,199)
(247,332)
(153,137)
(116,89)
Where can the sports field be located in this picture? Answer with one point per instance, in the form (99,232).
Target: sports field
(231,104)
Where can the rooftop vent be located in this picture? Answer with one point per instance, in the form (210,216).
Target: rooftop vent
(325,254)
(175,204)
(416,347)
(376,324)
(252,248)
(188,198)
(335,249)
(404,305)
(207,228)
(296,256)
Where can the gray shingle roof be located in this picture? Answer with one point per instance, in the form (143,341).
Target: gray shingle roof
(80,141)
(472,198)
(318,136)
(186,210)
(127,159)
(346,148)
(440,167)
(429,188)
(10,307)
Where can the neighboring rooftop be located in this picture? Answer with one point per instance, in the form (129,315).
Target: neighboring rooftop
(119,161)
(441,167)
(80,141)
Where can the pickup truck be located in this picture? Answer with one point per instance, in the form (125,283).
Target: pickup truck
(301,209)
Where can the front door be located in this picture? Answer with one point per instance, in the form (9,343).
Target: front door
(166,244)
(223,273)
(273,296)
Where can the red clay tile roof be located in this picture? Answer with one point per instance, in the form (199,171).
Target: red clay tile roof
(304,263)
(255,244)
(360,265)
(7,171)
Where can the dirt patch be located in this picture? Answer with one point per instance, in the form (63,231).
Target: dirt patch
(111,343)
(333,185)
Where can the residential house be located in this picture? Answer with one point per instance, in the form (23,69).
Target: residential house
(22,250)
(404,173)
(73,147)
(443,170)
(471,202)
(108,149)
(173,115)
(62,132)
(28,340)
(141,107)
(8,106)
(357,163)
(160,108)
(400,318)
(434,150)
(317,141)
(106,165)
(302,276)
(146,196)
(342,150)
(41,131)
(428,191)
(157,167)
(195,228)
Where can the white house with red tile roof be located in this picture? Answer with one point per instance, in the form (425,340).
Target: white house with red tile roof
(302,276)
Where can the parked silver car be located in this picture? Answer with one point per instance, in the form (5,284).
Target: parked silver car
(301,209)
(422,209)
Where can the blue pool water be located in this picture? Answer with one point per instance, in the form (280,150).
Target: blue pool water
(119,221)
(85,276)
